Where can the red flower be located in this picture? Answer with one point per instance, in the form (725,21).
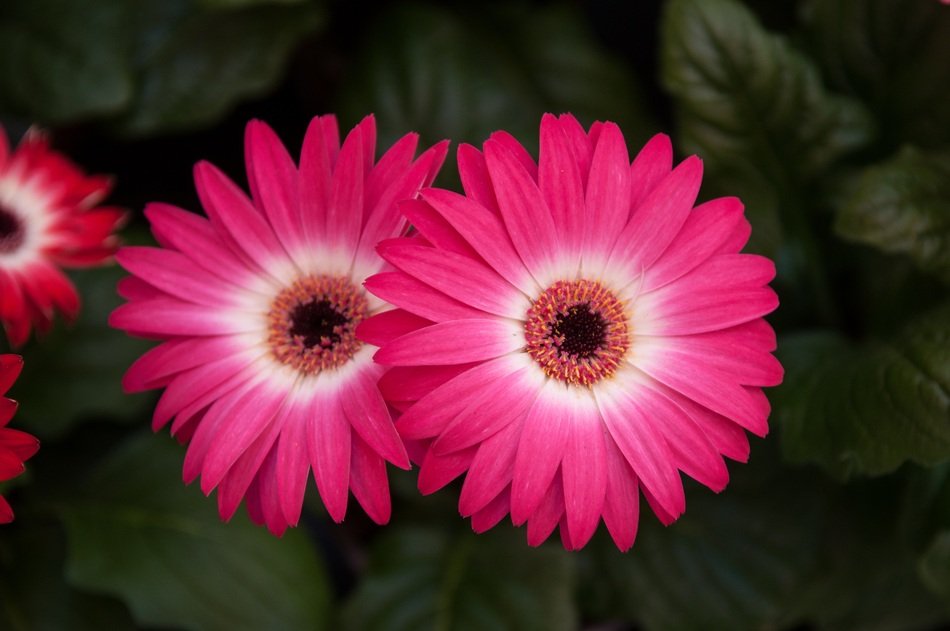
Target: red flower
(48,219)
(15,446)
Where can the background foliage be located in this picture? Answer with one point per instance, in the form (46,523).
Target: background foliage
(830,118)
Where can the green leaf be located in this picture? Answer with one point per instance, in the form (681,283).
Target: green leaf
(422,578)
(735,561)
(62,60)
(193,66)
(33,594)
(893,55)
(865,409)
(465,74)
(754,108)
(137,533)
(75,372)
(934,566)
(903,207)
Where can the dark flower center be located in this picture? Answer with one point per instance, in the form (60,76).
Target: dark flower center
(312,323)
(318,323)
(583,330)
(11,231)
(577,332)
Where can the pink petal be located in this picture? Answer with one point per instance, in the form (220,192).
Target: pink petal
(385,221)
(293,465)
(490,411)
(156,367)
(475,180)
(486,233)
(195,384)
(706,229)
(272,176)
(645,449)
(388,325)
(580,144)
(457,276)
(655,223)
(453,342)
(608,192)
(561,184)
(523,210)
(547,427)
(236,483)
(652,164)
(369,482)
(436,229)
(622,499)
(491,470)
(494,512)
(248,416)
(176,274)
(232,212)
(723,352)
(549,512)
(430,415)
(737,239)
(411,383)
(391,167)
(411,294)
(366,411)
(438,470)
(316,160)
(726,437)
(197,239)
(517,151)
(345,205)
(168,316)
(584,476)
(329,447)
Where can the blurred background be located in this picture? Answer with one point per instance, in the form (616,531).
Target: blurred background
(829,118)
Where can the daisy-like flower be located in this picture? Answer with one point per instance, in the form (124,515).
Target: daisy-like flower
(16,447)
(573,332)
(257,306)
(48,219)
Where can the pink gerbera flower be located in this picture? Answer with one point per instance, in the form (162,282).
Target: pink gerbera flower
(258,305)
(573,332)
(16,447)
(48,218)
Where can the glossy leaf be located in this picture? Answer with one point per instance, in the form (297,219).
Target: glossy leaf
(33,594)
(903,207)
(754,108)
(464,74)
(893,55)
(865,409)
(62,60)
(424,578)
(137,533)
(193,66)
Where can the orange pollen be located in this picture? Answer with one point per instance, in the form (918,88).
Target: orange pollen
(577,332)
(311,324)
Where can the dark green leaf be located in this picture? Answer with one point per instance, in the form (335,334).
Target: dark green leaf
(466,74)
(33,594)
(892,54)
(136,532)
(75,372)
(193,66)
(62,60)
(754,108)
(903,207)
(735,561)
(422,578)
(865,409)
(934,566)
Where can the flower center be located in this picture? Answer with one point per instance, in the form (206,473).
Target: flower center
(11,231)
(577,332)
(311,324)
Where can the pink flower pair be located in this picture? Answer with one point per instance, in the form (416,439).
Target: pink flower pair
(568,333)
